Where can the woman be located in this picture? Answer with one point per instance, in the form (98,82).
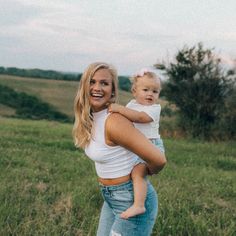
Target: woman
(113,143)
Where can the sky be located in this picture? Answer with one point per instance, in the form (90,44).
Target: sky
(68,35)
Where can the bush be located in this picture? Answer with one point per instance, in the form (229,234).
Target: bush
(124,83)
(226,126)
(29,106)
(199,87)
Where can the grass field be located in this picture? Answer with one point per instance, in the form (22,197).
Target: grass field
(47,187)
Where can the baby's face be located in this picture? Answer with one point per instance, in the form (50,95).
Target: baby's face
(146,90)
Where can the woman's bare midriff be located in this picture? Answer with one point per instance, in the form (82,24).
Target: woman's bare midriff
(114,181)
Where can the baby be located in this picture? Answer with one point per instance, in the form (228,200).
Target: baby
(145,114)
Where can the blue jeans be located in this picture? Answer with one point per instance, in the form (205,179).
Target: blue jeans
(118,198)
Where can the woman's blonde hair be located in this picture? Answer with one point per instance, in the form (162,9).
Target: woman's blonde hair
(82,128)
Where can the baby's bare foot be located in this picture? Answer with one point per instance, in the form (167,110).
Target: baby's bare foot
(132,211)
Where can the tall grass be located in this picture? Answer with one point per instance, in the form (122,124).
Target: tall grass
(47,187)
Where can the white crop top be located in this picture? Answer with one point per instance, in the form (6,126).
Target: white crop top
(110,161)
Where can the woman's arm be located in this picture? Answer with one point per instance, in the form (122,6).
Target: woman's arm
(120,131)
(132,115)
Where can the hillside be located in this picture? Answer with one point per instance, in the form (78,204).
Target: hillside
(29,107)
(58,93)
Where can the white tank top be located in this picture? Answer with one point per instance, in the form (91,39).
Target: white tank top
(110,161)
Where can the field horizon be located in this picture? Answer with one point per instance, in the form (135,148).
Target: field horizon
(58,93)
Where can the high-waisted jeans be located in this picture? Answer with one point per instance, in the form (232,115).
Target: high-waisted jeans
(118,198)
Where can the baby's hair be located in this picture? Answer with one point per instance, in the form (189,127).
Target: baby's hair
(149,74)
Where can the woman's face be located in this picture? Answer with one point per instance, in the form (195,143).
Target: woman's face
(100,90)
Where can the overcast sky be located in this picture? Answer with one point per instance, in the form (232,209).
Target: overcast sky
(67,35)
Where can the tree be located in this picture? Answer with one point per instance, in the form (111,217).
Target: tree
(198,86)
(228,119)
(124,83)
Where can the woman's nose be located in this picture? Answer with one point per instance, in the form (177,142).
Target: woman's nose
(96,86)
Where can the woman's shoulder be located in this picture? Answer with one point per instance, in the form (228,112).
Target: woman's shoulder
(118,130)
(118,124)
(117,119)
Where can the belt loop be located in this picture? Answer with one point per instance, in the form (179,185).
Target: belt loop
(108,189)
(105,189)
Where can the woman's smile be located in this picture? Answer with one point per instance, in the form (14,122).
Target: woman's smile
(96,95)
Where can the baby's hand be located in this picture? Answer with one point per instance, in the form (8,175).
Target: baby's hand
(114,107)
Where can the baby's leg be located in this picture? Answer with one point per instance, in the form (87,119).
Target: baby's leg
(140,191)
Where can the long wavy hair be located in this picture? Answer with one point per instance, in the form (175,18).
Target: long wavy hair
(82,129)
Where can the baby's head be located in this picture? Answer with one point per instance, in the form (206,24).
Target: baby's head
(146,87)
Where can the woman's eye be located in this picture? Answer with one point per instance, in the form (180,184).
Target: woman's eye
(92,82)
(104,83)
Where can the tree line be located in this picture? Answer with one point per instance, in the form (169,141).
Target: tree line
(124,82)
(38,73)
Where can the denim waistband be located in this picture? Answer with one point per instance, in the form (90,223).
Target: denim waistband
(122,186)
(118,186)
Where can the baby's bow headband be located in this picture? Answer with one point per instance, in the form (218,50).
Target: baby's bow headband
(142,72)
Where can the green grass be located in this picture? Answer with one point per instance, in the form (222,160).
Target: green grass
(47,187)
(6,110)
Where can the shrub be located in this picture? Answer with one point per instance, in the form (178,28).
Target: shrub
(28,106)
(199,87)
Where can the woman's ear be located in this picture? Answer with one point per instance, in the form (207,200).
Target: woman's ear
(112,99)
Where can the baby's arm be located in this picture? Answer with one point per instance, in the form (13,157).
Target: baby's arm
(132,115)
